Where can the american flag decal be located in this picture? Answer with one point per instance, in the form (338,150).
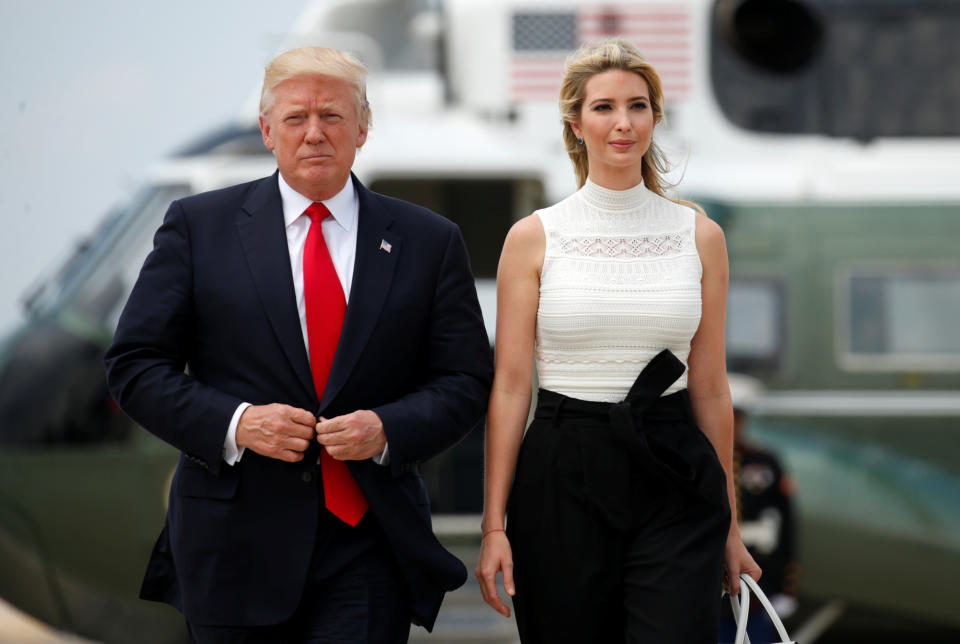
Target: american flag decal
(385,245)
(542,41)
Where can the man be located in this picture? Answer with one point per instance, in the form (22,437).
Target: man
(333,341)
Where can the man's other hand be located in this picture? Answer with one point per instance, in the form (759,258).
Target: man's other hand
(352,437)
(276,431)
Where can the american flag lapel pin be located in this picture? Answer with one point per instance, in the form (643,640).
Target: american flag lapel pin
(385,245)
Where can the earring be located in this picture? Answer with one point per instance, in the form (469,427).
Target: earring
(579,140)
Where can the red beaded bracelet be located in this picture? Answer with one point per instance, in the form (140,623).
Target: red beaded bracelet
(494,530)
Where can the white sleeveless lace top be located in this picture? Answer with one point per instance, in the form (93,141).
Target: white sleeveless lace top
(620,283)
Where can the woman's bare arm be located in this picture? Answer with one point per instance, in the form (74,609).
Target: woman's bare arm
(707,382)
(518,296)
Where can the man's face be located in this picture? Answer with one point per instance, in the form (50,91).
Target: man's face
(314,130)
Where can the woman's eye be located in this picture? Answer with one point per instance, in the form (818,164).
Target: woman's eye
(601,107)
(639,106)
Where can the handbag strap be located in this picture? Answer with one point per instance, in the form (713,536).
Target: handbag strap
(740,612)
(741,607)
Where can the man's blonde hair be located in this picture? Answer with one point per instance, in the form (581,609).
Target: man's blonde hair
(307,61)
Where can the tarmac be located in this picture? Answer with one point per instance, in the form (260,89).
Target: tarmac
(19,628)
(462,621)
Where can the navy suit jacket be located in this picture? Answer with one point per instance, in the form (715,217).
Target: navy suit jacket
(216,296)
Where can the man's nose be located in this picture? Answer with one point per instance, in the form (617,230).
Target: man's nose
(314,131)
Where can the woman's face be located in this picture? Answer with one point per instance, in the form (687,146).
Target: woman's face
(616,125)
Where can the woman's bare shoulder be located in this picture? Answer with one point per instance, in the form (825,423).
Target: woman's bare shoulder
(526,234)
(710,238)
(525,245)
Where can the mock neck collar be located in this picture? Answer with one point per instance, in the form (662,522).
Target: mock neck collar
(614,200)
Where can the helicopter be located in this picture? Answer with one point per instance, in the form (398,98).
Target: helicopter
(810,131)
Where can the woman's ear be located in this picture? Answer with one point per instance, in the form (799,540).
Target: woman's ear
(576,129)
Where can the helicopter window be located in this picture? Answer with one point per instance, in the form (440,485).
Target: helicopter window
(54,368)
(231,140)
(99,297)
(902,319)
(845,68)
(755,325)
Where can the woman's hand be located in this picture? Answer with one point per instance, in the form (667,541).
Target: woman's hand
(495,556)
(738,561)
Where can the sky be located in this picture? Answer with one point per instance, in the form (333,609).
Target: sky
(93,92)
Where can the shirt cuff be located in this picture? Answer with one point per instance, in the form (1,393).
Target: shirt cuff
(383,458)
(231,452)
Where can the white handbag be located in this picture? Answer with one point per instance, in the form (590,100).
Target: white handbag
(741,608)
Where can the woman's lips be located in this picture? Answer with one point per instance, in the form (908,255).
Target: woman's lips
(622,144)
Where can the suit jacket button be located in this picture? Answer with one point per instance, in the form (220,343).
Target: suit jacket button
(307,477)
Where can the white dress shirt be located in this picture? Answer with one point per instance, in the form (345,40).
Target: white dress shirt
(340,234)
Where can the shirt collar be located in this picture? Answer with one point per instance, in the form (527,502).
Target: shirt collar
(343,205)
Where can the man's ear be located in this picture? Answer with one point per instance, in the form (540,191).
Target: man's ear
(265,132)
(361,137)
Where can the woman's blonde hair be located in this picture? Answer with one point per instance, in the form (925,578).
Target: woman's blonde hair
(581,67)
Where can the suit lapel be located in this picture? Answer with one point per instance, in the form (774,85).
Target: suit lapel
(372,275)
(264,241)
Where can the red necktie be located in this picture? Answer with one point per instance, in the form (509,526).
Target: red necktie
(325,308)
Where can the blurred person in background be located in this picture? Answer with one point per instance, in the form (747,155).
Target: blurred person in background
(333,341)
(767,520)
(619,513)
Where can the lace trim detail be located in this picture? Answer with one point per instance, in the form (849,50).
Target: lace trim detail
(640,246)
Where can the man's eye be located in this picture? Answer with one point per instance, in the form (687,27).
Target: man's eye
(294,118)
(332,117)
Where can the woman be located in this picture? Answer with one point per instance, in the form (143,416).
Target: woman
(619,520)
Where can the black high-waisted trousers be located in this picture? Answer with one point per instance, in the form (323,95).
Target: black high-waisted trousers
(618,519)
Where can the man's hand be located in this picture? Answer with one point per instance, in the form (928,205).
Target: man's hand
(276,431)
(352,437)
